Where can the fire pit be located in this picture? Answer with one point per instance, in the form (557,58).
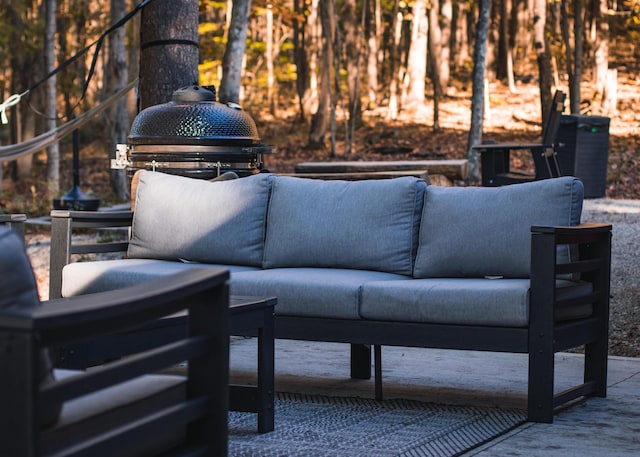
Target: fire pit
(193,135)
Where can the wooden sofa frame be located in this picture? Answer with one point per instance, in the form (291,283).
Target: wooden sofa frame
(544,336)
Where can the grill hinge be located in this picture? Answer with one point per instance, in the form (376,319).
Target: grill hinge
(121,161)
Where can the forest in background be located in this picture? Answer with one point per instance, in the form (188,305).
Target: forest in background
(368,80)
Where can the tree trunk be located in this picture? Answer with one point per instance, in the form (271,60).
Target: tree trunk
(53,151)
(459,34)
(444,24)
(578,33)
(116,76)
(352,46)
(417,59)
(542,55)
(321,119)
(26,66)
(502,64)
(270,57)
(229,90)
(435,58)
(477,97)
(300,57)
(601,54)
(566,37)
(372,26)
(394,64)
(169,52)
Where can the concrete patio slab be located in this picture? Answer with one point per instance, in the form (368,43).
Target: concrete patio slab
(597,427)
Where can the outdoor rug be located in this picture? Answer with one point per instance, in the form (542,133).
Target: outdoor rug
(312,425)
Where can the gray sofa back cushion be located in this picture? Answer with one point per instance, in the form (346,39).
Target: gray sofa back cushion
(200,221)
(482,231)
(19,294)
(369,225)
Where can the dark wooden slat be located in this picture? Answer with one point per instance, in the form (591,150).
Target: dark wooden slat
(97,248)
(453,169)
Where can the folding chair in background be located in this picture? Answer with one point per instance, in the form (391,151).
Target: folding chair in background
(496,157)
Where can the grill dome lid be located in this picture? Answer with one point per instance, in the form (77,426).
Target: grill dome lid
(194,117)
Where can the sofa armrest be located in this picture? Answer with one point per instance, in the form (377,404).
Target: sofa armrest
(591,262)
(63,224)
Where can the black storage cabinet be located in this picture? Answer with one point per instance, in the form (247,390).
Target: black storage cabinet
(583,151)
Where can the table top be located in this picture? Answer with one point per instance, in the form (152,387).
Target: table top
(238,306)
(240,302)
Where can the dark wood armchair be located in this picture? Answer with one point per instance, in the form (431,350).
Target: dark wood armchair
(124,408)
(495,158)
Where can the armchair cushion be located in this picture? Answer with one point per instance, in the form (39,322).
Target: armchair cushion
(86,416)
(486,231)
(223,221)
(19,291)
(315,223)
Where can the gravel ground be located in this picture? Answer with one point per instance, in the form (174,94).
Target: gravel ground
(624,215)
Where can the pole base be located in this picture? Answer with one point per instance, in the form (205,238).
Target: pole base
(76,200)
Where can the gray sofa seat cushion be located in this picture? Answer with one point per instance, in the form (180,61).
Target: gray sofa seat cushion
(82,278)
(317,292)
(105,409)
(480,231)
(366,225)
(464,301)
(201,221)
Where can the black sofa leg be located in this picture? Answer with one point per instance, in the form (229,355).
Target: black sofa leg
(540,398)
(361,361)
(377,364)
(595,366)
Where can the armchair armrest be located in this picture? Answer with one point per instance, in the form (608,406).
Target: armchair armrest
(63,224)
(24,332)
(14,221)
(495,160)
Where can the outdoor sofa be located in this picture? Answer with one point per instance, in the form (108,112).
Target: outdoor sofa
(392,262)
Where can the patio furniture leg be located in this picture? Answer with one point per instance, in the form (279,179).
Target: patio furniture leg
(361,361)
(541,374)
(377,364)
(266,388)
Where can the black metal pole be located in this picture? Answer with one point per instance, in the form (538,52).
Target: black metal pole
(75,199)
(76,158)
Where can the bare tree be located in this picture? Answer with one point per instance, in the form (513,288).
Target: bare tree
(601,54)
(542,55)
(417,61)
(270,56)
(445,14)
(301,37)
(116,76)
(53,151)
(436,59)
(373,24)
(573,42)
(229,90)
(321,119)
(477,98)
(394,62)
(353,48)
